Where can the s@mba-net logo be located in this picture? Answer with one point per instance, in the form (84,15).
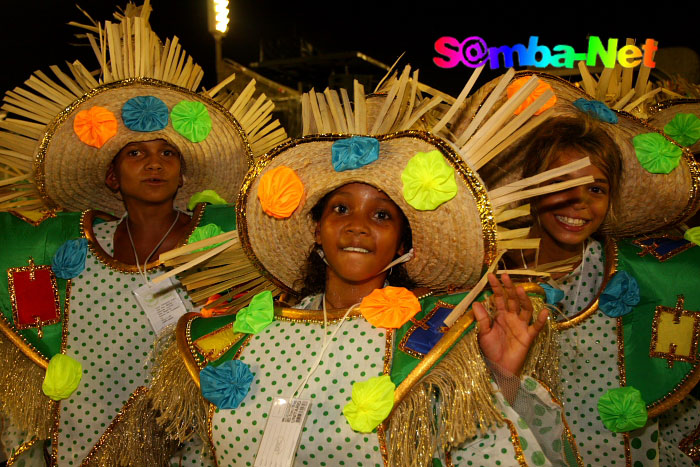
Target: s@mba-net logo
(473,53)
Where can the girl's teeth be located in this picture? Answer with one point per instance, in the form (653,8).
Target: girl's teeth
(570,221)
(355,249)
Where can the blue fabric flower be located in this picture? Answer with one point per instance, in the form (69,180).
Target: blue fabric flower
(620,295)
(597,110)
(69,260)
(552,294)
(355,152)
(145,113)
(226,385)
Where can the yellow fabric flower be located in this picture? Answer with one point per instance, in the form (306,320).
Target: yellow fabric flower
(62,377)
(372,401)
(428,181)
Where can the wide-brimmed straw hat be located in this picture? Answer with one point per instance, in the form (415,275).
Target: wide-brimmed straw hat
(62,134)
(646,201)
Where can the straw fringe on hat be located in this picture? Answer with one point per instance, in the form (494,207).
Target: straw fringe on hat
(43,162)
(676,194)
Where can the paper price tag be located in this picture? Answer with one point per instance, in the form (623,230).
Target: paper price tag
(161,303)
(282,433)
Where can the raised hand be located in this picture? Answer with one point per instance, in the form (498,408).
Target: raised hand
(506,340)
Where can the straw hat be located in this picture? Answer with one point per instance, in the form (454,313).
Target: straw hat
(675,194)
(61,135)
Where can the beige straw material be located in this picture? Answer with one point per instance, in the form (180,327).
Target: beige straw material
(664,112)
(451,243)
(71,174)
(675,195)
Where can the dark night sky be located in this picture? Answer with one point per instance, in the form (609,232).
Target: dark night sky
(380,29)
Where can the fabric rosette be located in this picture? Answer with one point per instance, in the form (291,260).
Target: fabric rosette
(280,192)
(191,119)
(204,196)
(693,235)
(226,385)
(655,153)
(622,409)
(684,128)
(62,377)
(202,233)
(541,88)
(69,260)
(389,307)
(371,403)
(354,152)
(145,113)
(428,181)
(552,294)
(620,295)
(257,315)
(596,109)
(95,126)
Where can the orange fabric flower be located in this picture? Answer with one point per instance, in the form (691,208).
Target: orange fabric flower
(390,307)
(541,88)
(95,126)
(280,192)
(209,312)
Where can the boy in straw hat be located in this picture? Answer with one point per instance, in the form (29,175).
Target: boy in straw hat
(374,373)
(629,308)
(80,312)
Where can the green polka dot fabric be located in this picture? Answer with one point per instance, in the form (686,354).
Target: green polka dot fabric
(11,438)
(110,335)
(588,365)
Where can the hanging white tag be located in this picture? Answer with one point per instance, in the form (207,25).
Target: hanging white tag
(161,303)
(282,433)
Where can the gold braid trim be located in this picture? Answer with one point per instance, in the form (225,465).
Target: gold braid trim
(465,406)
(543,358)
(21,397)
(175,395)
(133,437)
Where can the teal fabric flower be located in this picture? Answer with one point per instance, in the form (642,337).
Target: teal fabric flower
(226,385)
(145,113)
(597,110)
(684,128)
(256,316)
(191,119)
(69,260)
(693,235)
(428,181)
(354,152)
(656,154)
(620,295)
(205,196)
(622,409)
(202,233)
(552,294)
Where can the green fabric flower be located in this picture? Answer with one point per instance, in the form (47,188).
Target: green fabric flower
(428,181)
(372,401)
(62,377)
(205,196)
(204,232)
(684,128)
(622,409)
(191,119)
(693,235)
(257,315)
(656,154)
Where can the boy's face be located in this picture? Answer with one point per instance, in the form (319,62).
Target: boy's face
(148,171)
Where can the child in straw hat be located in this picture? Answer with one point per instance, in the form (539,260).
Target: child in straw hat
(391,376)
(80,312)
(625,368)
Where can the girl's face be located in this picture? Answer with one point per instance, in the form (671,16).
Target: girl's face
(569,217)
(360,232)
(146,170)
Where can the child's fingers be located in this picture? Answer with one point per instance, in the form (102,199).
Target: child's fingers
(525,305)
(511,294)
(482,318)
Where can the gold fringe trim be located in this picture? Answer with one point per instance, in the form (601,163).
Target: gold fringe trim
(133,437)
(176,396)
(21,397)
(543,359)
(464,408)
